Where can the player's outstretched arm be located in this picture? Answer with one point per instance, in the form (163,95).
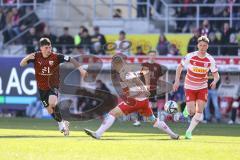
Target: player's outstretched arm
(26,59)
(76,64)
(177,77)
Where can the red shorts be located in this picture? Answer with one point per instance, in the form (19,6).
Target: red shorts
(142,107)
(193,95)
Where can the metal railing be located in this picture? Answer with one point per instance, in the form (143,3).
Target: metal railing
(18,4)
(198,17)
(214,50)
(165,16)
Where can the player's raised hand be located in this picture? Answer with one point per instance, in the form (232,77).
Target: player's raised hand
(31,56)
(175,86)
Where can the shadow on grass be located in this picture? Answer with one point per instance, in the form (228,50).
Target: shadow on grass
(122,127)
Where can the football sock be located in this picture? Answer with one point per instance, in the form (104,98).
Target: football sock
(164,127)
(56,114)
(194,122)
(107,123)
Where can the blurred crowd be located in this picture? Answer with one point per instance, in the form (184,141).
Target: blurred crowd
(15,21)
(23,25)
(224,41)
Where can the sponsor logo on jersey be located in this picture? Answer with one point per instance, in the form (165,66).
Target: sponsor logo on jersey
(205,64)
(199,70)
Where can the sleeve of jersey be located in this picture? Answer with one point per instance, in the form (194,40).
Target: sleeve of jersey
(63,58)
(185,60)
(213,66)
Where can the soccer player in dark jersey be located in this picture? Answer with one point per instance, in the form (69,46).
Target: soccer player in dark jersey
(155,72)
(46,65)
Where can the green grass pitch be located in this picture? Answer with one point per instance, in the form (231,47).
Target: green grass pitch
(32,139)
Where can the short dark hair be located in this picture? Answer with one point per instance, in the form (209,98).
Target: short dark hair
(139,47)
(65,28)
(44,42)
(122,32)
(96,28)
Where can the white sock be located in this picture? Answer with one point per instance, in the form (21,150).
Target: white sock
(107,123)
(61,125)
(194,122)
(164,127)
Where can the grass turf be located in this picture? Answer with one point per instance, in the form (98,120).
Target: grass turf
(32,139)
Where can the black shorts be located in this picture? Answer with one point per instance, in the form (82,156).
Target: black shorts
(44,95)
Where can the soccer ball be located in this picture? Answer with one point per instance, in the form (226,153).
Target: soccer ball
(171,107)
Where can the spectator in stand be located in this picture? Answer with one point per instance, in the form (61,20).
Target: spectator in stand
(236,23)
(205,29)
(15,21)
(122,45)
(193,41)
(141,8)
(235,107)
(232,49)
(66,42)
(97,49)
(12,24)
(47,33)
(225,33)
(184,12)
(213,44)
(77,38)
(2,19)
(31,40)
(140,51)
(117,13)
(86,41)
(163,45)
(9,1)
(206,11)
(225,37)
(30,20)
(212,96)
(173,50)
(98,38)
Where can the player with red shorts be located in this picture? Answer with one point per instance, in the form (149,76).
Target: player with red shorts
(135,95)
(198,65)
(46,65)
(155,71)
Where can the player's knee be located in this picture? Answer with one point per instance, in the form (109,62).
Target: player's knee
(116,112)
(191,112)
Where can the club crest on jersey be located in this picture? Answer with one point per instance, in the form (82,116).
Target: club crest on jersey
(51,63)
(205,64)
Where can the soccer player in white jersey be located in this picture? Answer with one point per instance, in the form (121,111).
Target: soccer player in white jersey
(136,100)
(198,64)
